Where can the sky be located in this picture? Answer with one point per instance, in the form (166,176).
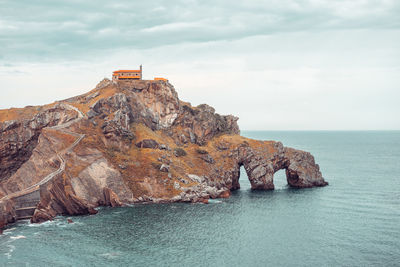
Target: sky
(276,64)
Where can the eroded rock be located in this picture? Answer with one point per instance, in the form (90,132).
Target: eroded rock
(148,143)
(7,212)
(96,161)
(57,199)
(260,166)
(200,124)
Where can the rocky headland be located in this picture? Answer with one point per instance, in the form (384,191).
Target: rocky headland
(131,142)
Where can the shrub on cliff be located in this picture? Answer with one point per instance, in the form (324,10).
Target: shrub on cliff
(201,151)
(179,152)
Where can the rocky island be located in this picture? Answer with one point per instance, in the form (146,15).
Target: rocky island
(130,141)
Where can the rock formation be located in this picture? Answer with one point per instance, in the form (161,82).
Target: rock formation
(131,142)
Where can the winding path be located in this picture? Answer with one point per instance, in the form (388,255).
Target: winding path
(35,188)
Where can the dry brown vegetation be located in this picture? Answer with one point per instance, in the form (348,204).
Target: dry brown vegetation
(84,105)
(21,113)
(64,139)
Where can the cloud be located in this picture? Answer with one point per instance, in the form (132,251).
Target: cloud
(47,30)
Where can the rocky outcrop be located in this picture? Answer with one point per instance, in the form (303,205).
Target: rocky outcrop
(200,124)
(19,138)
(7,213)
(302,171)
(137,142)
(56,198)
(260,166)
(201,191)
(155,104)
(147,143)
(92,181)
(79,195)
(43,160)
(111,198)
(117,115)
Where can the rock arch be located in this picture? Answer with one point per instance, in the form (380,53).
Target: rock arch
(261,165)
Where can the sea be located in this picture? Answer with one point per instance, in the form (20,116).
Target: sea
(355,221)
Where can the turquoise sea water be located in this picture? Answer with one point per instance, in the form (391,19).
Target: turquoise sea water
(355,221)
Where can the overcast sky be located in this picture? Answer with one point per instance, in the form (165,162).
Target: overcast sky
(277,65)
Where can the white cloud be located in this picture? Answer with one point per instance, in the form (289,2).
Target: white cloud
(176,26)
(109,25)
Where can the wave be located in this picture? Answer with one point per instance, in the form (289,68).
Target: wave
(17,237)
(61,222)
(110,255)
(214,201)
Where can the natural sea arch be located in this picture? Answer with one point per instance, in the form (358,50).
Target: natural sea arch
(279,179)
(299,166)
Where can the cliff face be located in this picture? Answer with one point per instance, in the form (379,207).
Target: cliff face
(130,142)
(18,138)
